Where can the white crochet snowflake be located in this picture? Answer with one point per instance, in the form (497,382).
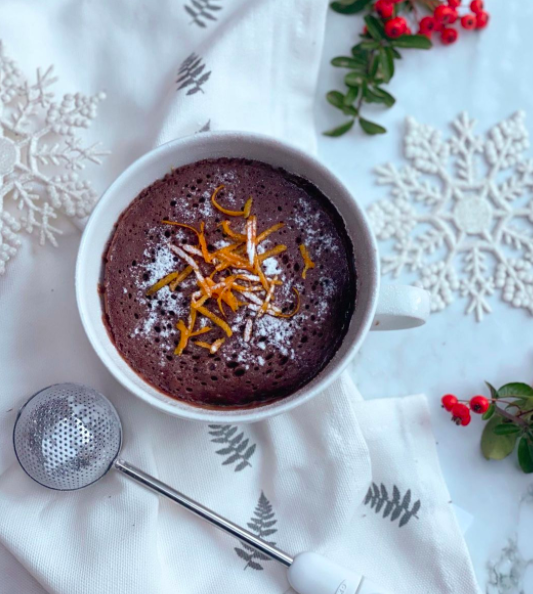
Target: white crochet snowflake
(460,216)
(40,155)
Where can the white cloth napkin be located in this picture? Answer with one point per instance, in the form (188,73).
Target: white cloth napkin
(248,65)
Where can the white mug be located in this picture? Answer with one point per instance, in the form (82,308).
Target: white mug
(394,307)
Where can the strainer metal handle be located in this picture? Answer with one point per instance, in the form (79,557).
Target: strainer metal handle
(203,512)
(308,572)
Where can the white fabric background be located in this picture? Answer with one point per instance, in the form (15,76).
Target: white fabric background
(312,464)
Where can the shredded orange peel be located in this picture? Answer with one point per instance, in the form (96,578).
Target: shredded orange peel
(166,280)
(308,263)
(244,283)
(213,347)
(245,212)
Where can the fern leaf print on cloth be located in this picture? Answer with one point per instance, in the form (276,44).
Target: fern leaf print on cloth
(392,506)
(205,128)
(236,446)
(262,525)
(202,11)
(192,74)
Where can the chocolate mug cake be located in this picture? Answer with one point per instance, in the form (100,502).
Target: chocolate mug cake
(228,283)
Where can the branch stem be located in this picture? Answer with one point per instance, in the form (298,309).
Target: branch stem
(513,418)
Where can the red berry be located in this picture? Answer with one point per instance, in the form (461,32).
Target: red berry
(384,8)
(469,21)
(408,31)
(479,404)
(466,421)
(428,24)
(365,30)
(454,3)
(445,15)
(460,410)
(448,36)
(449,401)
(460,414)
(482,20)
(477,6)
(396,1)
(395,27)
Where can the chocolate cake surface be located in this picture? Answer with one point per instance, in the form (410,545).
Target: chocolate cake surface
(267,356)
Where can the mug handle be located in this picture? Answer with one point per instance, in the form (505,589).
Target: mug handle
(401,307)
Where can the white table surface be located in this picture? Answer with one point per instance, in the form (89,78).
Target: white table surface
(489,75)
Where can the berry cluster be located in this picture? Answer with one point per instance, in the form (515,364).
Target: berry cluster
(461,411)
(440,21)
(386,34)
(508,413)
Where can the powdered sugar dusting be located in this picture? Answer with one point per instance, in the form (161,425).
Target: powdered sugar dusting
(277,331)
(308,220)
(155,268)
(271,266)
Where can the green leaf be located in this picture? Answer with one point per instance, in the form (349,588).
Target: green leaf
(374,65)
(493,392)
(360,54)
(371,128)
(340,130)
(336,99)
(388,99)
(395,53)
(351,96)
(412,42)
(369,45)
(516,390)
(496,447)
(525,455)
(506,429)
(488,414)
(353,79)
(372,95)
(386,63)
(350,7)
(350,110)
(375,27)
(346,62)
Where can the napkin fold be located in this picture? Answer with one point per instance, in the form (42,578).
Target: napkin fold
(172,68)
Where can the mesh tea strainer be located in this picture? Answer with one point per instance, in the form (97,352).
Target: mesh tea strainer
(68,436)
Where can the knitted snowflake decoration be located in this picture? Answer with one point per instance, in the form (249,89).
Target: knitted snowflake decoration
(460,216)
(40,155)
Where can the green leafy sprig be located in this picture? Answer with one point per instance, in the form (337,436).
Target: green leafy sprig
(509,424)
(371,65)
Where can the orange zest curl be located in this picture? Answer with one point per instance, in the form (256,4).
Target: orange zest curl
(273,252)
(166,280)
(245,212)
(212,348)
(294,311)
(203,330)
(215,319)
(267,300)
(179,279)
(230,233)
(184,338)
(262,236)
(308,263)
(184,225)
